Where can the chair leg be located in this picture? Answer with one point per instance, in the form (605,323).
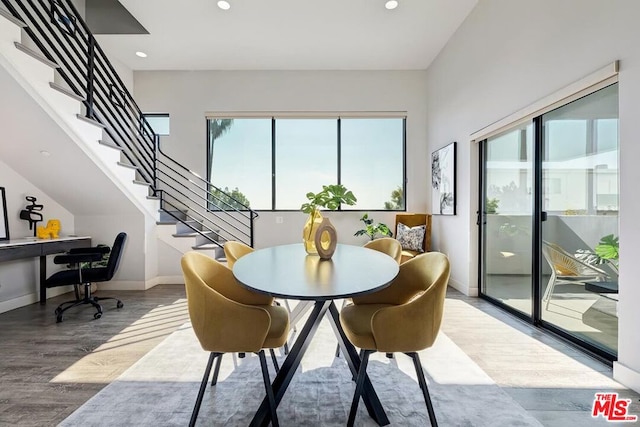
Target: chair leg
(216,371)
(423,387)
(268,389)
(362,374)
(275,361)
(203,386)
(549,291)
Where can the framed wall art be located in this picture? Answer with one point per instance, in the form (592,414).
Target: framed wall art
(4,220)
(443,180)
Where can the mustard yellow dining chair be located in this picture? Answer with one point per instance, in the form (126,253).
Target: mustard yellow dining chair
(233,251)
(404,317)
(228,318)
(386,245)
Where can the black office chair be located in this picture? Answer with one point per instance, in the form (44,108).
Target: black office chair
(85,274)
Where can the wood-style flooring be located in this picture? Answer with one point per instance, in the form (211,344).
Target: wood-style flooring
(49,369)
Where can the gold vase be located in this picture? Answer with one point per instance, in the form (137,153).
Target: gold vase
(326,239)
(309,232)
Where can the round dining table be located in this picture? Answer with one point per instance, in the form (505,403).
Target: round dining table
(288,272)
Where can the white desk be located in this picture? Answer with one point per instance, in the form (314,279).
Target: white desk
(31,247)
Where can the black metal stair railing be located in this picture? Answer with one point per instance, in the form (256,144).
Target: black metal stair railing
(62,36)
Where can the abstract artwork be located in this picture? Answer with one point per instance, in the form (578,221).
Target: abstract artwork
(443,180)
(4,220)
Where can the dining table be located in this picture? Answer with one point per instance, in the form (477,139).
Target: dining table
(288,272)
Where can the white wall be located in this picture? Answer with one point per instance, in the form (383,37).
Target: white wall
(19,279)
(505,56)
(187,95)
(103,230)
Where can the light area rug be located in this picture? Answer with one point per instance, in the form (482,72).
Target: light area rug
(160,389)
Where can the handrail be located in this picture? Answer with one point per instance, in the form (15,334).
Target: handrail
(63,37)
(209,184)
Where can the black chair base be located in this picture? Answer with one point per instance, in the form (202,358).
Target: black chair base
(362,373)
(205,379)
(87,299)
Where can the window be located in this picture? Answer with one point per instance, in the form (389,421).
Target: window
(274,162)
(306,159)
(159,122)
(371,162)
(239,162)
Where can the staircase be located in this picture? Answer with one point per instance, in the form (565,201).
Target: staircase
(63,68)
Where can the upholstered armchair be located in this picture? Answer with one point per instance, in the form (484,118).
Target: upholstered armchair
(411,220)
(404,317)
(386,245)
(228,318)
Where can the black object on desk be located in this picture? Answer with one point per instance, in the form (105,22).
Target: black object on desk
(31,248)
(602,287)
(288,272)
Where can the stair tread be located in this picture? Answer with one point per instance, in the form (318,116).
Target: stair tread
(110,145)
(66,91)
(10,17)
(127,165)
(166,222)
(32,53)
(206,246)
(141,182)
(89,120)
(193,234)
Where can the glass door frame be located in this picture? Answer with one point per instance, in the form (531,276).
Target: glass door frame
(538,216)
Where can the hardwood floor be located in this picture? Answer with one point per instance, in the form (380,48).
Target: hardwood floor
(49,369)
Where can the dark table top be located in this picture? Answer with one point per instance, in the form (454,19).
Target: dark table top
(287,271)
(602,287)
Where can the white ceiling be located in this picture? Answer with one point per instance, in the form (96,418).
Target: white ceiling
(287,34)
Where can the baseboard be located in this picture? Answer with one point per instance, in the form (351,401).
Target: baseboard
(626,376)
(123,285)
(469,291)
(32,298)
(169,280)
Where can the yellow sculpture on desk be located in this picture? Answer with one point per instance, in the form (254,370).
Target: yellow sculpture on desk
(50,231)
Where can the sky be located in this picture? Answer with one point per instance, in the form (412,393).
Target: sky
(306,154)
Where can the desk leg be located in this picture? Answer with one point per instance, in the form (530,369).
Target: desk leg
(43,279)
(369,396)
(291,363)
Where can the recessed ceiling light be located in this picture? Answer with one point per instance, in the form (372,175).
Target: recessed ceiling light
(45,153)
(224,5)
(391,4)
(141,54)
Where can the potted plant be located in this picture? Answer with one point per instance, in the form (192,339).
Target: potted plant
(608,249)
(371,230)
(329,198)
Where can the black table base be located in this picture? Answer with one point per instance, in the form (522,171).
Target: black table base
(291,363)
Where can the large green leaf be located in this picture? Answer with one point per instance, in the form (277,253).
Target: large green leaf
(608,247)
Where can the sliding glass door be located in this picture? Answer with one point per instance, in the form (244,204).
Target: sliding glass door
(555,189)
(580,207)
(507,218)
